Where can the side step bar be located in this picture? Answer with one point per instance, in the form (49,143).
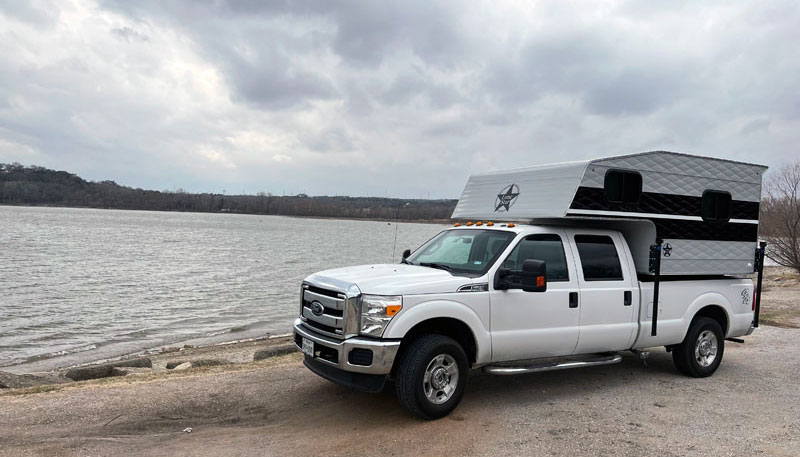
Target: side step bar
(554,364)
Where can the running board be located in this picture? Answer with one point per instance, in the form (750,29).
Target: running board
(554,364)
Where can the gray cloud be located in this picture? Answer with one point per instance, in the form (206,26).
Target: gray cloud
(402,98)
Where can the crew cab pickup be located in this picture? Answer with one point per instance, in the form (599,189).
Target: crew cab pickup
(508,298)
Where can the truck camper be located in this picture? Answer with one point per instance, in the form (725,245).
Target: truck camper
(550,267)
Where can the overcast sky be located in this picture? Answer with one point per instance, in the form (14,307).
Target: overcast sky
(406,100)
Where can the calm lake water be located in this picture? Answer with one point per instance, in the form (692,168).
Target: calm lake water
(81,285)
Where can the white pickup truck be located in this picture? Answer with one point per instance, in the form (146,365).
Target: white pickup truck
(507,298)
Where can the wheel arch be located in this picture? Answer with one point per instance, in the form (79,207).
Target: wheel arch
(712,305)
(716,312)
(446,326)
(448,318)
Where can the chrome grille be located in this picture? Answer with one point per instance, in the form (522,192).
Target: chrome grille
(331,321)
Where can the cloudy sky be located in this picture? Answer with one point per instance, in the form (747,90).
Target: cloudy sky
(406,99)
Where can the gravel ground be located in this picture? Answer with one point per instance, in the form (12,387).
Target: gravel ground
(277,407)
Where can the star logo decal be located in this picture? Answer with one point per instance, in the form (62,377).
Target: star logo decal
(506,198)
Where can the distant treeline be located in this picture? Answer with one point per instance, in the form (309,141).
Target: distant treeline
(21,185)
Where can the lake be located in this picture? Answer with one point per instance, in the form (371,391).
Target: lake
(80,285)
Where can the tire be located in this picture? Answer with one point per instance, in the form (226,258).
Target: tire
(700,353)
(437,394)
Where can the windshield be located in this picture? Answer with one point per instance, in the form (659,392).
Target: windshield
(462,251)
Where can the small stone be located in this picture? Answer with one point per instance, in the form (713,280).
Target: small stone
(183,366)
(168,349)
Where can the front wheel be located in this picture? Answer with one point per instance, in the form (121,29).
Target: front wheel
(431,376)
(700,353)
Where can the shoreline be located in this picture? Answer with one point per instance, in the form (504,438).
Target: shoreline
(335,218)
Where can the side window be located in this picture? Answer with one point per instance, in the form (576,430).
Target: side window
(716,206)
(622,186)
(541,247)
(599,258)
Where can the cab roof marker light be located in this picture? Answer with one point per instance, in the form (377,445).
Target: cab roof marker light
(511,225)
(479,223)
(457,224)
(490,224)
(469,223)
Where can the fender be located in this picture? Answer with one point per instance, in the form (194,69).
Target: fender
(706,299)
(408,318)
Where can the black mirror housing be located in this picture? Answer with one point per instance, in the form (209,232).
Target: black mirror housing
(534,276)
(406,253)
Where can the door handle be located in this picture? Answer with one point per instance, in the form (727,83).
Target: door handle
(573,299)
(628,298)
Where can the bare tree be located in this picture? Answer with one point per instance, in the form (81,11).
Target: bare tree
(780,216)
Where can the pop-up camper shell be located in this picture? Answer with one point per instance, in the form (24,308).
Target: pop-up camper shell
(703,210)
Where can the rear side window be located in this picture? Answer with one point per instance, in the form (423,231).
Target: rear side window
(545,247)
(622,186)
(716,206)
(599,258)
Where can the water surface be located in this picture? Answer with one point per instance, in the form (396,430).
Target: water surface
(86,284)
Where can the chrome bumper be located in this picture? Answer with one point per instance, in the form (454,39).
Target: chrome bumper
(383,351)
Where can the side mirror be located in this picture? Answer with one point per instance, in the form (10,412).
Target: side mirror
(406,253)
(534,276)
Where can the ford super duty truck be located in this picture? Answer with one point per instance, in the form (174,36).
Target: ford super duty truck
(517,298)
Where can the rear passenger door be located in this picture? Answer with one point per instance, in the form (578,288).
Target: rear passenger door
(607,287)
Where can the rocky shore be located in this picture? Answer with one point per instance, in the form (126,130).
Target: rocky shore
(169,359)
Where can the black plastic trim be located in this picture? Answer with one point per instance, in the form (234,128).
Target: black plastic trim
(593,198)
(358,381)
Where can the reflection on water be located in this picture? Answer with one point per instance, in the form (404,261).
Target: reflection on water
(85,284)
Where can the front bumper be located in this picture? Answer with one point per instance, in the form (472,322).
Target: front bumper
(383,351)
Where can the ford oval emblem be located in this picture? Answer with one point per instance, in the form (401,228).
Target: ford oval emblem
(316,308)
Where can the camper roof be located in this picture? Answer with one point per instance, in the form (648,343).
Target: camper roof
(549,191)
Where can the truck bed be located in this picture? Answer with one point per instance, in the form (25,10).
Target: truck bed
(679,300)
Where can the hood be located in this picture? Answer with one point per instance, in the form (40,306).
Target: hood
(392,279)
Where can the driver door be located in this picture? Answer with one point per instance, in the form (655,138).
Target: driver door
(528,325)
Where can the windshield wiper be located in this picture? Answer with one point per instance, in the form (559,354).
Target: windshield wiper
(407,262)
(440,266)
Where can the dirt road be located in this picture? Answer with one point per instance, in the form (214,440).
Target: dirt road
(277,407)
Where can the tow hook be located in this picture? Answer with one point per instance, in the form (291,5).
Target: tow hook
(643,355)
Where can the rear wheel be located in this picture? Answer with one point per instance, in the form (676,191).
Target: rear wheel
(700,353)
(431,376)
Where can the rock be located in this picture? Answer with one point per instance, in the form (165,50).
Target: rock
(172,365)
(17,381)
(90,372)
(183,366)
(187,346)
(142,362)
(169,349)
(274,351)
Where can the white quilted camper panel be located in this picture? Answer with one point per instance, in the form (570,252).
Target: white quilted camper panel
(672,188)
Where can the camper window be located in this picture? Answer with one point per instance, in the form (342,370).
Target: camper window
(622,186)
(716,206)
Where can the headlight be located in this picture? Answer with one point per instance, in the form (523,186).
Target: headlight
(377,311)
